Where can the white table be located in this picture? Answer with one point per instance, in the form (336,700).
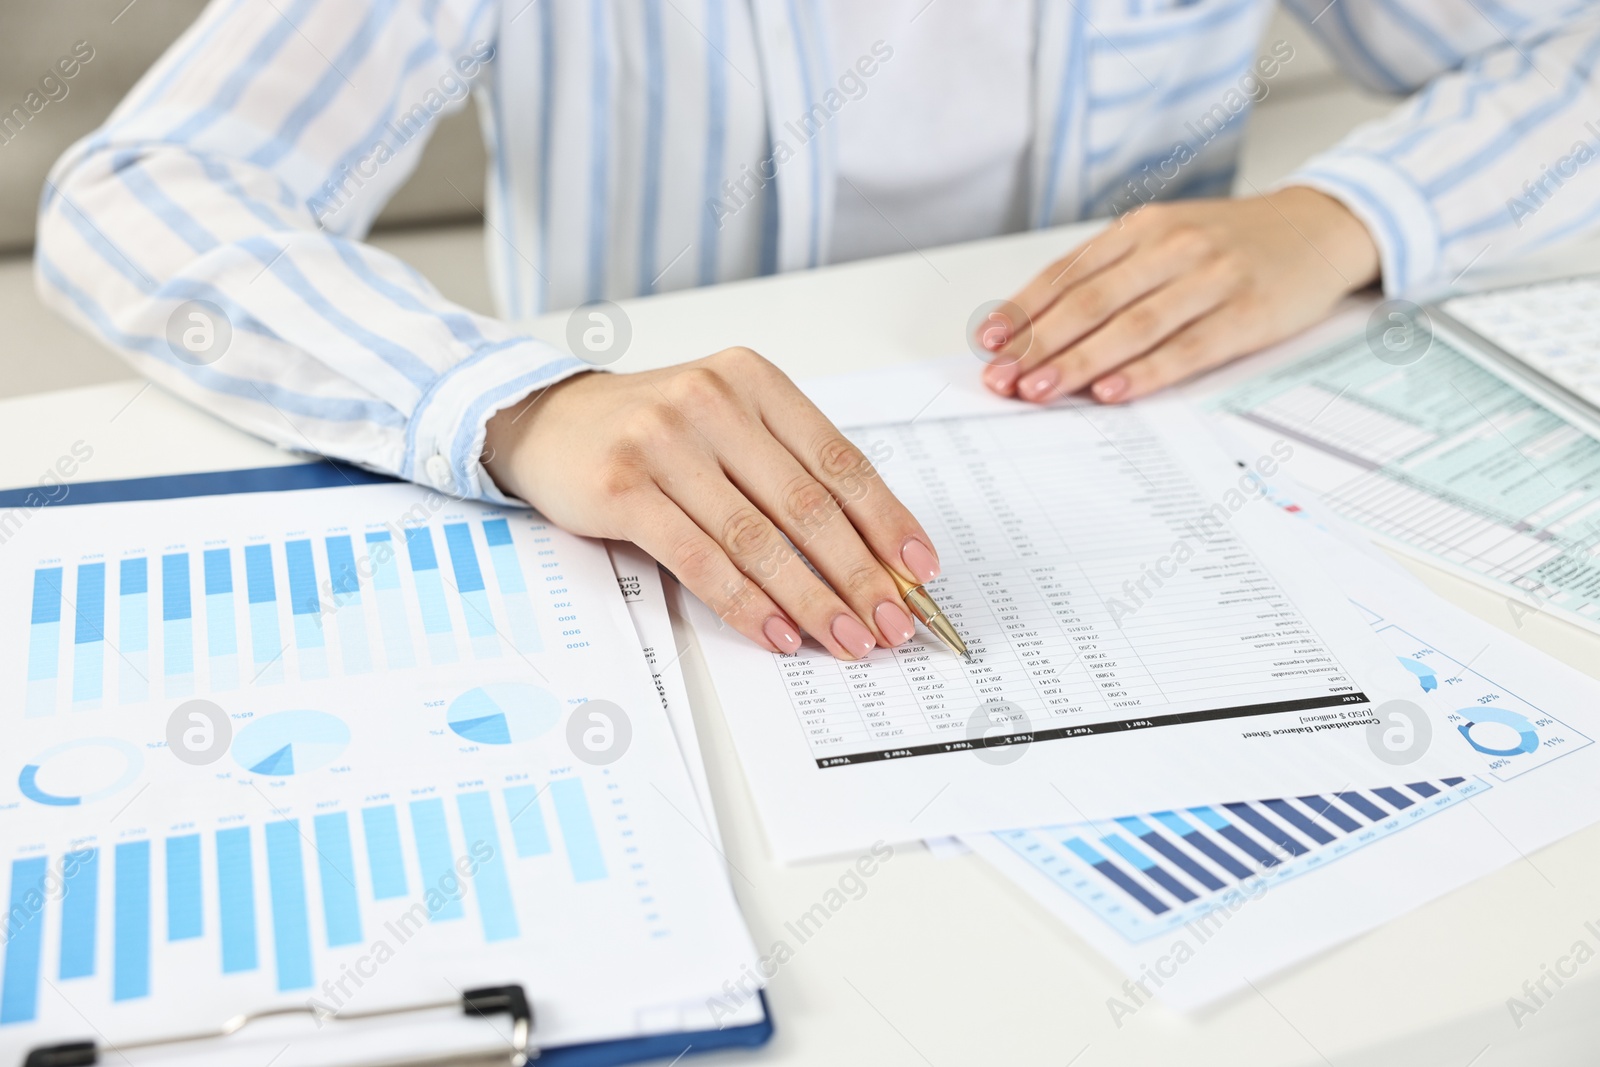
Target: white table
(942,962)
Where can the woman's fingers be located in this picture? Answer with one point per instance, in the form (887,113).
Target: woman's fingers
(704,568)
(1144,317)
(1205,343)
(1013,342)
(1089,258)
(813,520)
(759,499)
(759,550)
(1133,331)
(1100,298)
(888,528)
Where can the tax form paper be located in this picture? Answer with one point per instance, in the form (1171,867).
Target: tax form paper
(1147,632)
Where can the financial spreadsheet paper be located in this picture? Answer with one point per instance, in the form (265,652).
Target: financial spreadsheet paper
(407,796)
(1145,633)
(1200,902)
(1440,459)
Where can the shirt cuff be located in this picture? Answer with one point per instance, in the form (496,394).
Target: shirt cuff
(1396,213)
(444,439)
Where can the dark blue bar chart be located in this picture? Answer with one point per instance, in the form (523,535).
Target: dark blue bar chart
(1148,874)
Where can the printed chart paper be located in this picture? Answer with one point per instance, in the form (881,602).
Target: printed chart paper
(1145,631)
(1195,902)
(641,582)
(405,805)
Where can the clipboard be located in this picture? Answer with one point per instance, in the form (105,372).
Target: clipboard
(484,1002)
(488,1001)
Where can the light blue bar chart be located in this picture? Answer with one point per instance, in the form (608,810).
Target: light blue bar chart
(269,898)
(336,870)
(385,862)
(437,858)
(177,625)
(184,921)
(221,617)
(306,608)
(291,919)
(222,627)
(44,641)
(391,600)
(19,978)
(266,638)
(430,594)
(528,833)
(491,883)
(469,586)
(345,583)
(130,935)
(133,630)
(588,863)
(1149,874)
(513,586)
(236,900)
(80,912)
(89,637)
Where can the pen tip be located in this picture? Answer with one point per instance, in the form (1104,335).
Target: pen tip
(967,656)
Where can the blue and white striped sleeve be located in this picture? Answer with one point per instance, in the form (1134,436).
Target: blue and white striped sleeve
(243,171)
(1498,151)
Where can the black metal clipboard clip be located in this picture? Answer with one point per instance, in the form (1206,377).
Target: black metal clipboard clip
(489,1000)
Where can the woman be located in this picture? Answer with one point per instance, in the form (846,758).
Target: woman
(644,145)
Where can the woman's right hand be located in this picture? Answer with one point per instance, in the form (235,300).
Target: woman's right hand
(709,466)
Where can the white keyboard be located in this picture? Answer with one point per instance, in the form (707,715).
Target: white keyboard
(1552,329)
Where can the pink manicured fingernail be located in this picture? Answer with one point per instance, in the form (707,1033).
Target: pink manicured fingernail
(1039,385)
(856,639)
(893,622)
(919,560)
(1000,378)
(1109,388)
(781,634)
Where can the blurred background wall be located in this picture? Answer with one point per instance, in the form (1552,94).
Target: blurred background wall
(1310,105)
(126,39)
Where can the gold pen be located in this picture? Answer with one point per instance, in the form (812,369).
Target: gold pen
(931,615)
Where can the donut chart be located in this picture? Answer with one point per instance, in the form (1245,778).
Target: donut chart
(1528,737)
(87,779)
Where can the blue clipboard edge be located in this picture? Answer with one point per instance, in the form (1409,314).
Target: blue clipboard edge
(328,474)
(660,1046)
(318,474)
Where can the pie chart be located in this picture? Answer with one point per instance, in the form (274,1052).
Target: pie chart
(290,742)
(503,712)
(1424,673)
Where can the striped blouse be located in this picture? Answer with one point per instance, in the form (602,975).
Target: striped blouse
(644,145)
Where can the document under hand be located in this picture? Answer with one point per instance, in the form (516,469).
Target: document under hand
(1146,633)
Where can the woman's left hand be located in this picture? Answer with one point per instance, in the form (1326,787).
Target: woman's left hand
(1176,288)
